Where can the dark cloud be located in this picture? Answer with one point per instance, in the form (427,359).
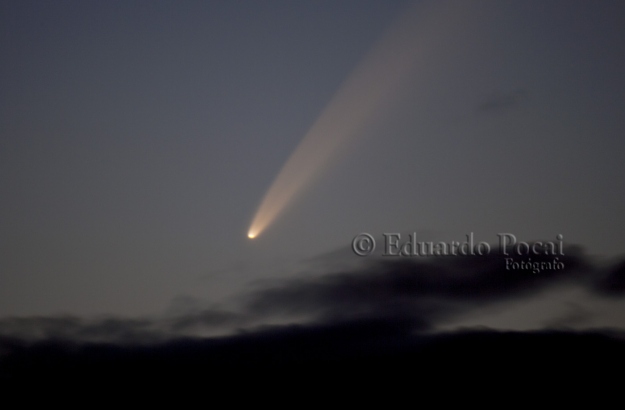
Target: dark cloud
(424,289)
(613,283)
(381,315)
(119,330)
(414,291)
(78,329)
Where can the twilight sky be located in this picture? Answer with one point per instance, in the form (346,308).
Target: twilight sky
(137,140)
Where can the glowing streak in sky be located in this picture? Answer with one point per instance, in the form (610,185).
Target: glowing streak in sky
(363,95)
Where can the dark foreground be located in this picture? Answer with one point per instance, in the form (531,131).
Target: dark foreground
(379,355)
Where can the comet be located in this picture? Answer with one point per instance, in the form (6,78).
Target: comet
(360,100)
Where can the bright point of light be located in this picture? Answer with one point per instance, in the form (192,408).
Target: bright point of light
(251,235)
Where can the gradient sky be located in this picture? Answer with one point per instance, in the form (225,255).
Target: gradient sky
(137,140)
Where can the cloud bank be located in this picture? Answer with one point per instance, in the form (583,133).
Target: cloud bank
(379,313)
